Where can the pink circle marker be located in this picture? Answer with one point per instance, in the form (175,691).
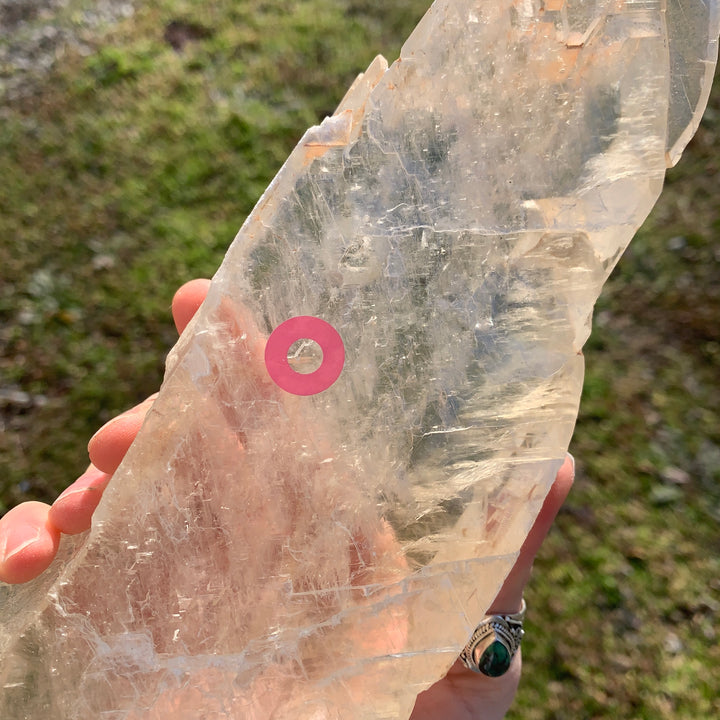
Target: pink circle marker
(298,328)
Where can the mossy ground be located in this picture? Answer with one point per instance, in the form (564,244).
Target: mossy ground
(127,171)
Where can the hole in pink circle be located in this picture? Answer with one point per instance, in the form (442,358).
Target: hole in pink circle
(305,356)
(289,332)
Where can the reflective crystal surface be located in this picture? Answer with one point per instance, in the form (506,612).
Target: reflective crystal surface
(325,550)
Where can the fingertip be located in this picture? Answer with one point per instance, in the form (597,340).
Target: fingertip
(108,446)
(28,542)
(560,488)
(187,301)
(72,512)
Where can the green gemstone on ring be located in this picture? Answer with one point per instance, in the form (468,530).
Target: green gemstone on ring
(496,660)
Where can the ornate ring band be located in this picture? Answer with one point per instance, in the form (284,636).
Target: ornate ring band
(494,643)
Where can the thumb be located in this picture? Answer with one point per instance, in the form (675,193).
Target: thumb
(509,598)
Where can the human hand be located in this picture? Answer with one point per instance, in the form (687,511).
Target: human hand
(30,533)
(465,695)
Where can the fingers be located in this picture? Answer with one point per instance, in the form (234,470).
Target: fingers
(28,542)
(72,512)
(108,446)
(509,598)
(30,533)
(187,301)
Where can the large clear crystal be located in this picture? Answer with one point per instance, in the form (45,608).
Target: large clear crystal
(265,554)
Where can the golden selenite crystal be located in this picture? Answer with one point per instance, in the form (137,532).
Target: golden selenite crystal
(315,546)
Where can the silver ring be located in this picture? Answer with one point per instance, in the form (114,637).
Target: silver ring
(494,643)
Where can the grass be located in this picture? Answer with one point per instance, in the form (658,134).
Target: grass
(127,171)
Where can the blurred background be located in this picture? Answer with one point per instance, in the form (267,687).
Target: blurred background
(134,140)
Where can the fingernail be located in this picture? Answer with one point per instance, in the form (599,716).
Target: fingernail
(15,539)
(91,479)
(572,460)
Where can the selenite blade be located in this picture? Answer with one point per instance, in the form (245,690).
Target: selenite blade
(326,552)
